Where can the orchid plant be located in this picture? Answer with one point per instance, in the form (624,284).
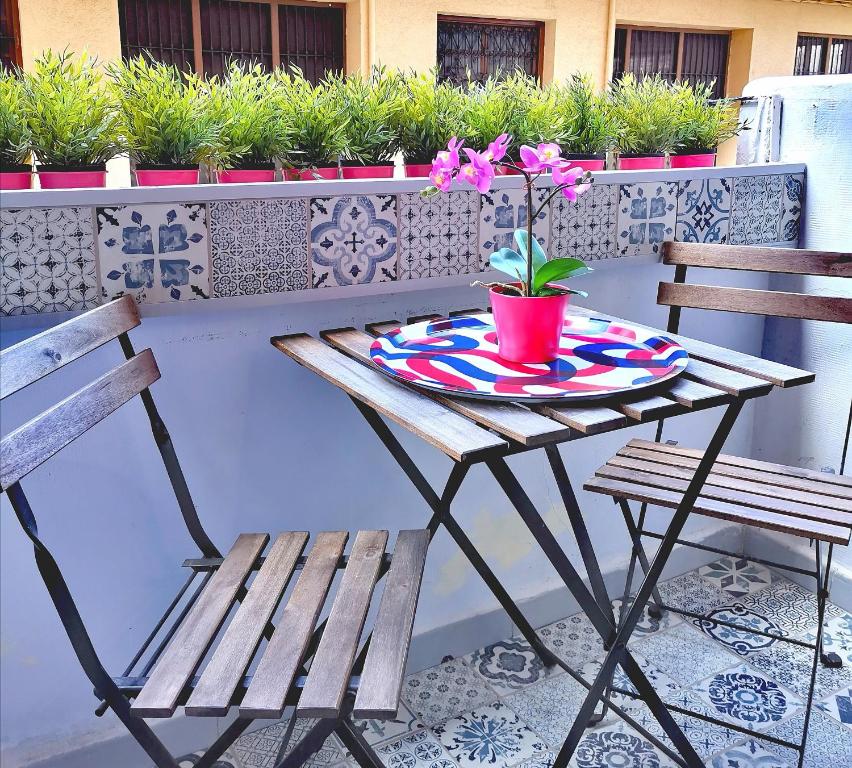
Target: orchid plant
(535,273)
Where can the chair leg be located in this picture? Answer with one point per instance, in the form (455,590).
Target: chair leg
(355,742)
(830,659)
(654,608)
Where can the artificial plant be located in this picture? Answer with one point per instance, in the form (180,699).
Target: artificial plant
(586,116)
(643,115)
(14,132)
(700,122)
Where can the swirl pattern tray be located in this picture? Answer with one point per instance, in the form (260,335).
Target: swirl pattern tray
(458,356)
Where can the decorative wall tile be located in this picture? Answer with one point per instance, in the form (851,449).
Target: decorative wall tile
(258,246)
(353,240)
(740,641)
(665,650)
(550,707)
(443,691)
(736,576)
(508,665)
(586,229)
(751,754)
(48,260)
(703,211)
(646,217)
(756,209)
(438,235)
(415,750)
(489,736)
(154,253)
(502,211)
(792,200)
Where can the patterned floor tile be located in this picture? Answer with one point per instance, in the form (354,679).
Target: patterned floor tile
(538,760)
(647,214)
(509,665)
(48,260)
(228,760)
(258,246)
(736,576)
(155,253)
(502,211)
(692,593)
(749,754)
(740,641)
(491,735)
(839,706)
(836,637)
(703,211)
(353,240)
(259,749)
(744,696)
(791,207)
(438,235)
(377,731)
(617,746)
(585,229)
(792,664)
(663,684)
(648,625)
(756,209)
(665,651)
(550,707)
(443,691)
(574,639)
(829,744)
(790,606)
(415,750)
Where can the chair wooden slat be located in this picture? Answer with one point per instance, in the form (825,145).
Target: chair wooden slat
(733,382)
(384,668)
(35,357)
(31,444)
(750,301)
(331,667)
(721,509)
(184,653)
(511,420)
(779,374)
(432,421)
(695,395)
(215,690)
(267,692)
(588,419)
(756,258)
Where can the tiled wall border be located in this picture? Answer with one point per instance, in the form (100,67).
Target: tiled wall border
(169,244)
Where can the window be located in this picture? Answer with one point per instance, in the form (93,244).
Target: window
(10,34)
(203,35)
(820,55)
(486,47)
(688,55)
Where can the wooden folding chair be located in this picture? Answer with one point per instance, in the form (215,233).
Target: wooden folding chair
(219,626)
(813,505)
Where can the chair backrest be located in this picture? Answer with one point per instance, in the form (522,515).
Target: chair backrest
(679,294)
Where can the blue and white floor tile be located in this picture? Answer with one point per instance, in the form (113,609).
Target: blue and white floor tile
(617,745)
(749,754)
(415,750)
(509,665)
(648,625)
(662,683)
(259,749)
(736,576)
(377,731)
(228,760)
(573,638)
(789,605)
(829,744)
(550,707)
(690,592)
(839,706)
(793,665)
(446,690)
(740,641)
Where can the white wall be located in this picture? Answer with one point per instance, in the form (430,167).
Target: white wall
(267,446)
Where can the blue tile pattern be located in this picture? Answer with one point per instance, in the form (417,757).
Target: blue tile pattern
(502,211)
(792,199)
(756,209)
(703,211)
(647,214)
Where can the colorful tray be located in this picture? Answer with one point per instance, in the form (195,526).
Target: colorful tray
(458,355)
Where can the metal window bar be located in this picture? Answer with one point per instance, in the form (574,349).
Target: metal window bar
(10,35)
(311,39)
(810,55)
(235,30)
(160,28)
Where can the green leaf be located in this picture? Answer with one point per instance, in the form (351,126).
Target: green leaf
(558,269)
(539,258)
(548,291)
(508,261)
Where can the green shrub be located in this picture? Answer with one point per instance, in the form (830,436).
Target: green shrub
(163,113)
(487,113)
(586,116)
(314,118)
(251,129)
(532,115)
(69,112)
(643,112)
(372,105)
(14,134)
(430,114)
(699,122)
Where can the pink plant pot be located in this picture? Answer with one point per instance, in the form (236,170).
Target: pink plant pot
(528,329)
(71,179)
(246,175)
(418,170)
(587,162)
(10,180)
(367,171)
(697,160)
(645,162)
(166,177)
(310,174)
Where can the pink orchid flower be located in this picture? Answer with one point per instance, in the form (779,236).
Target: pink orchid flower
(441,175)
(497,148)
(449,157)
(478,172)
(540,158)
(565,174)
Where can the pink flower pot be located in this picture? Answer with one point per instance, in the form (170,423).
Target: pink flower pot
(246,175)
(697,160)
(367,171)
(166,177)
(19,178)
(528,329)
(54,177)
(310,174)
(640,163)
(418,169)
(587,162)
